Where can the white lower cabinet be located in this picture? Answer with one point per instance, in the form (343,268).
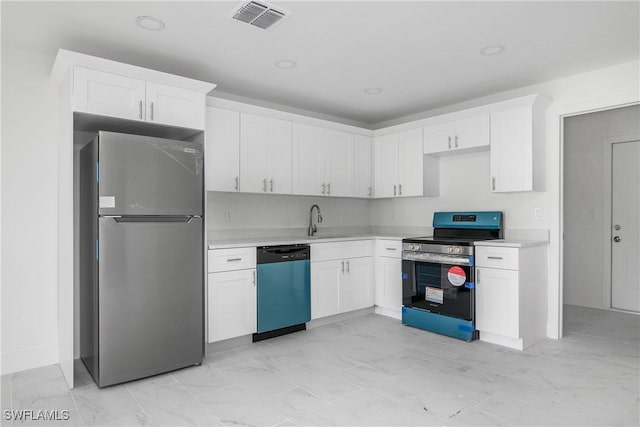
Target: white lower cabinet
(231,294)
(511,301)
(341,277)
(388,295)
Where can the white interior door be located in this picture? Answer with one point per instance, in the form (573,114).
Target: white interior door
(625,226)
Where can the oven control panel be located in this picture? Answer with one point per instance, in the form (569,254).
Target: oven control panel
(438,249)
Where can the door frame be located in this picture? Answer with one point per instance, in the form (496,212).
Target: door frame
(561,218)
(607,148)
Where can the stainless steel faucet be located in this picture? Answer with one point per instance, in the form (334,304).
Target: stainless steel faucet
(312,227)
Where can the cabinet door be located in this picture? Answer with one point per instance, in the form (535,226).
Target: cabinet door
(512,150)
(386,166)
(389,283)
(231,304)
(107,94)
(222,150)
(497,301)
(173,106)
(357,288)
(308,160)
(438,138)
(362,162)
(471,133)
(325,288)
(410,163)
(338,148)
(279,166)
(254,150)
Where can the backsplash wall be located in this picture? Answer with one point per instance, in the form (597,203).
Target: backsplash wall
(243,214)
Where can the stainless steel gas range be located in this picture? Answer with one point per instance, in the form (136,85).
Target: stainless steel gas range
(438,283)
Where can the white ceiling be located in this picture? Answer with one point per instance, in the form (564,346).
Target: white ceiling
(423,54)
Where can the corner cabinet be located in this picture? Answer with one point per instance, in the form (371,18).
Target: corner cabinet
(456,136)
(398,164)
(114,95)
(517,141)
(511,297)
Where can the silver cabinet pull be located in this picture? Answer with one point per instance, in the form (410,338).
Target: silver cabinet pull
(234,259)
(390,249)
(477,276)
(264,185)
(394,190)
(237,185)
(254,277)
(329,188)
(152,111)
(140,110)
(400,189)
(324,187)
(449,142)
(348,267)
(370,192)
(493,183)
(342,268)
(456,141)
(271,185)
(494,257)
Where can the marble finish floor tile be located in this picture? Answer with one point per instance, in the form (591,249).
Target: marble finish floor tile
(369,371)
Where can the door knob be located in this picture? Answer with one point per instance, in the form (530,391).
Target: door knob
(616,239)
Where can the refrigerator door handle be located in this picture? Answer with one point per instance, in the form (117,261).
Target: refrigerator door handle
(128,219)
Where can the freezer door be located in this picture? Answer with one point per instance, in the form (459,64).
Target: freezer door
(151,288)
(140,175)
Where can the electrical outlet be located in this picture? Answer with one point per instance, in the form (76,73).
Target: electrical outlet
(537,213)
(227,215)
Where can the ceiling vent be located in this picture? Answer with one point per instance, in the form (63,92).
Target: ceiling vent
(259,14)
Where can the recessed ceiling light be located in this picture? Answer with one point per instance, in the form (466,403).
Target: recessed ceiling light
(495,49)
(286,64)
(373,90)
(149,23)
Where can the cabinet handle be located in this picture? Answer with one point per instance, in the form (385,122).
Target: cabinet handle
(140,105)
(152,111)
(237,183)
(234,259)
(329,188)
(495,257)
(449,143)
(390,249)
(348,267)
(264,185)
(400,189)
(394,189)
(477,276)
(493,183)
(342,268)
(456,141)
(370,192)
(271,185)
(324,187)
(254,277)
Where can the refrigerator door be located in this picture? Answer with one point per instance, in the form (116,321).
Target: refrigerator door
(151,293)
(141,175)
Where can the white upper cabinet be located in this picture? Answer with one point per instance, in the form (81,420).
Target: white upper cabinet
(465,134)
(516,144)
(265,154)
(362,166)
(322,161)
(114,95)
(222,150)
(398,164)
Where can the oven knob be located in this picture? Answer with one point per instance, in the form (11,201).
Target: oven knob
(449,249)
(457,250)
(415,248)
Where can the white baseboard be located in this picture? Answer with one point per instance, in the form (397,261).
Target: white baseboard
(389,312)
(34,357)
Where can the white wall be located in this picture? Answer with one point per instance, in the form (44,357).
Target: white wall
(29,211)
(465,179)
(586,139)
(281,215)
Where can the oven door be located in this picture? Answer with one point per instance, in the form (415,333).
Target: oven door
(439,288)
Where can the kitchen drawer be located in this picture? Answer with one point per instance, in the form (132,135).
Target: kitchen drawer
(496,257)
(341,250)
(389,248)
(231,259)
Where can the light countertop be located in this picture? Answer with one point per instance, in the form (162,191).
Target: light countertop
(512,243)
(289,240)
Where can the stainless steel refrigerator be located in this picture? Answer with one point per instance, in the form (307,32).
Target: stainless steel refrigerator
(141,256)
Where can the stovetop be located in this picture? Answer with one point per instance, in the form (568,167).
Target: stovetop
(457,241)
